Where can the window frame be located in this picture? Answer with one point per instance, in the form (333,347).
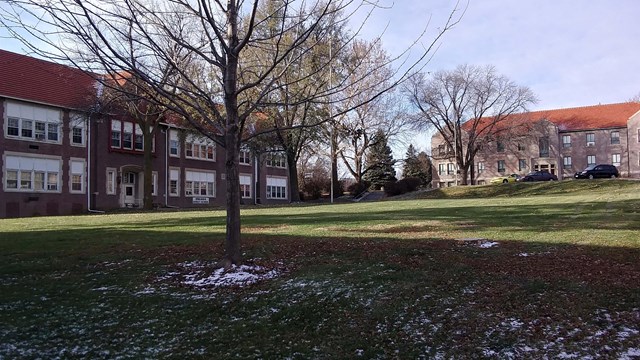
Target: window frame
(503,168)
(615,140)
(566,144)
(567,162)
(26,180)
(613,161)
(276,189)
(591,142)
(81,176)
(111,181)
(594,160)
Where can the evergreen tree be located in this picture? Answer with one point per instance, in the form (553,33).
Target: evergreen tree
(426,167)
(411,167)
(380,162)
(417,166)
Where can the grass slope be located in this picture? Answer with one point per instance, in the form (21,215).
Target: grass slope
(371,280)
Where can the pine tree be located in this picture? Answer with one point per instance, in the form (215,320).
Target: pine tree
(426,168)
(417,166)
(411,167)
(380,162)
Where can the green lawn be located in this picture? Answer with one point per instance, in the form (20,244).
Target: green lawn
(370,280)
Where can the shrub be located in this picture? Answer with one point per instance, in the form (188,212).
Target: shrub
(401,187)
(358,188)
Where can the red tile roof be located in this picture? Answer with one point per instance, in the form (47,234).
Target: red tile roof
(590,117)
(26,78)
(570,119)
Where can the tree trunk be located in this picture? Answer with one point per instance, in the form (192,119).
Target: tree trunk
(464,174)
(232,244)
(294,190)
(335,182)
(147,165)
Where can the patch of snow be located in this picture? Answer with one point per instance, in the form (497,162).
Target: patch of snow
(524,254)
(565,355)
(632,353)
(359,352)
(242,275)
(487,245)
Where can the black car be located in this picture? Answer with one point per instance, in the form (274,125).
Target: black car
(598,171)
(539,176)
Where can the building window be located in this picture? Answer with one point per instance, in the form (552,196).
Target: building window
(566,141)
(450,168)
(278,160)
(591,139)
(245,186)
(76,176)
(543,145)
(480,167)
(245,156)
(441,169)
(174,143)
(116,132)
(32,122)
(521,147)
(13,127)
(111,181)
(591,160)
(615,159)
(615,137)
(154,183)
(276,188)
(441,150)
(138,140)
(199,183)
(501,166)
(31,174)
(200,148)
(174,182)
(566,162)
(500,146)
(522,164)
(127,136)
(77,130)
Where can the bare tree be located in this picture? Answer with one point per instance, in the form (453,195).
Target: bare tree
(466,106)
(357,128)
(215,83)
(635,98)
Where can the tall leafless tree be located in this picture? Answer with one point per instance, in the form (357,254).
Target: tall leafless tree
(466,106)
(215,84)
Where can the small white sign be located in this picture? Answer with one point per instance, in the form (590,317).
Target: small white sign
(200,200)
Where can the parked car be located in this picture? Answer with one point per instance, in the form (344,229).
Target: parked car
(598,171)
(505,179)
(539,176)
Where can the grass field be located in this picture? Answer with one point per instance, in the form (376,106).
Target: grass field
(557,277)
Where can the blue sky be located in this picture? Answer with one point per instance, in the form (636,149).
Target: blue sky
(569,52)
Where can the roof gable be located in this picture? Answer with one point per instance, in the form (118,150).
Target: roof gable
(30,79)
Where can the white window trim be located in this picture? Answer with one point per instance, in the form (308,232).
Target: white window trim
(83,179)
(286,188)
(175,138)
(32,189)
(48,119)
(113,173)
(250,186)
(195,141)
(177,193)
(154,181)
(79,121)
(203,172)
(279,154)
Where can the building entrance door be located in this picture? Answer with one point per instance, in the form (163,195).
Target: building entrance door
(129,188)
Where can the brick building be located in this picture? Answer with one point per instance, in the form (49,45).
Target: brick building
(561,141)
(58,159)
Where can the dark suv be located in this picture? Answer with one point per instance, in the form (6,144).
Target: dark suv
(598,171)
